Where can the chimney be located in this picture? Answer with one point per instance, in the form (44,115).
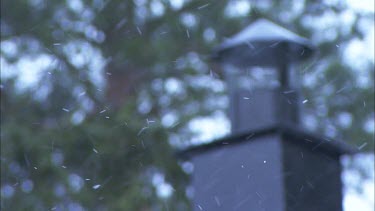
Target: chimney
(259,67)
(268,162)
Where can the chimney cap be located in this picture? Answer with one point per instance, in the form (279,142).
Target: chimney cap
(256,42)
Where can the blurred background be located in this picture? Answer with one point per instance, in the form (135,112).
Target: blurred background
(98,95)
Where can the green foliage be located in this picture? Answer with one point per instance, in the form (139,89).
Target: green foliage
(99,151)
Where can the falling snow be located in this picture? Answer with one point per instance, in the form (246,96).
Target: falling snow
(139,31)
(199,206)
(95,187)
(65,109)
(203,6)
(141,131)
(362,146)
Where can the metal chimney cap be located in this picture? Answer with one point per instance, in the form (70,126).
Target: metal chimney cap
(261,40)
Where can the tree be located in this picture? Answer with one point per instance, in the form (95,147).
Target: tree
(119,81)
